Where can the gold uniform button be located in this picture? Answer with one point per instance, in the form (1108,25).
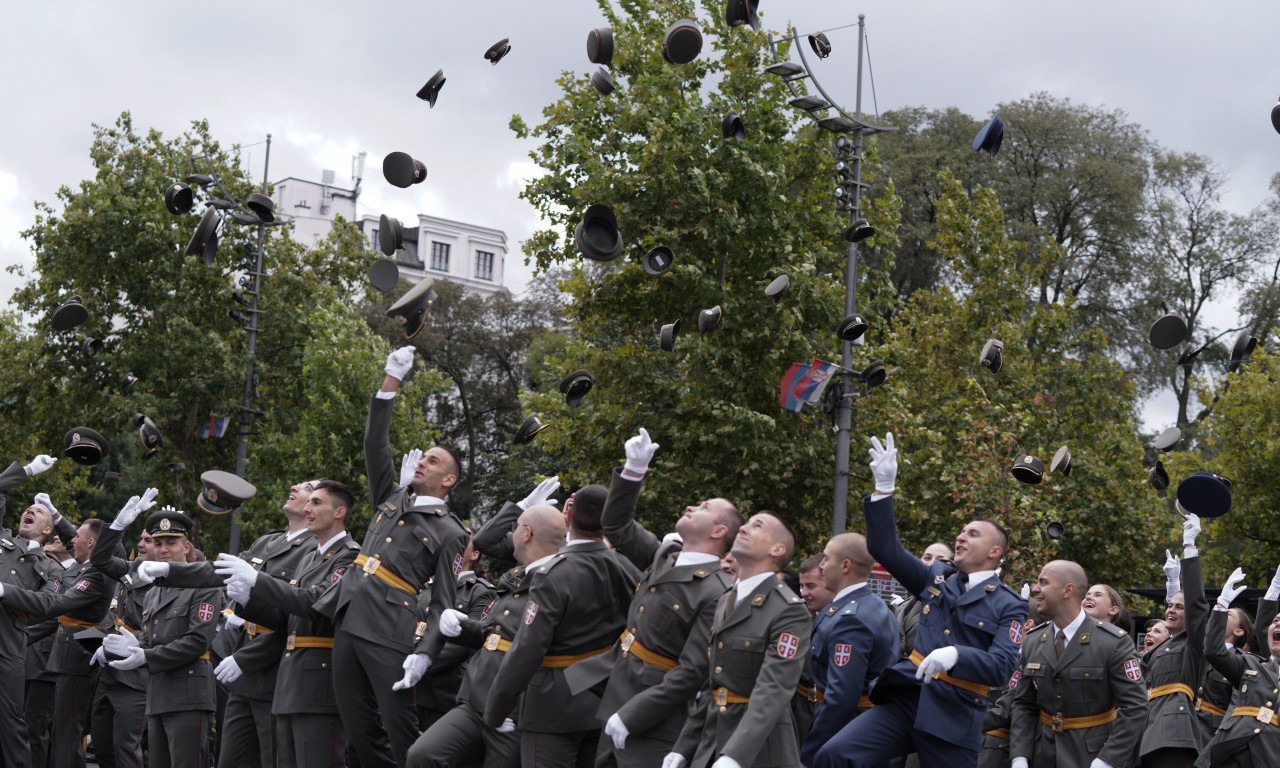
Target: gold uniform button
(653,589)
(517,594)
(1086,675)
(675,607)
(719,670)
(720,645)
(946,632)
(388,539)
(287,654)
(400,522)
(506,613)
(642,609)
(747,644)
(979,624)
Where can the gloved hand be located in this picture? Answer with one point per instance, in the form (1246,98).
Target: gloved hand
(232,620)
(43,498)
(1099,763)
(42,463)
(673,536)
(507,726)
(98,658)
(1026,591)
(231,567)
(1,589)
(415,666)
(1172,566)
(884,463)
(238,589)
(399,363)
(135,658)
(150,570)
(674,760)
(228,670)
(640,450)
(121,643)
(451,622)
(541,494)
(1230,591)
(1273,591)
(616,730)
(896,601)
(1190,530)
(724,761)
(409,465)
(938,661)
(1019,762)
(135,506)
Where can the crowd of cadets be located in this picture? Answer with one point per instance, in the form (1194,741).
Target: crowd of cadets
(600,643)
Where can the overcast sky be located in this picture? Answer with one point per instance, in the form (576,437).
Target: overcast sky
(331,79)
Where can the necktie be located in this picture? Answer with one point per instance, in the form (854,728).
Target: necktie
(1058,644)
(732,601)
(963,579)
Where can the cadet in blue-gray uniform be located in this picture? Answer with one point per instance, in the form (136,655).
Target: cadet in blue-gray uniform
(854,639)
(970,629)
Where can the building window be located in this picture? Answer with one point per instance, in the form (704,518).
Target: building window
(440,256)
(484,265)
(373,239)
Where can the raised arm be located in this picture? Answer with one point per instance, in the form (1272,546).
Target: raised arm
(1229,663)
(377,431)
(104,556)
(15,473)
(629,537)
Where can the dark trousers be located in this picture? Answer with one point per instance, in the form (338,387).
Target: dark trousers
(39,717)
(247,734)
(363,674)
(460,737)
(887,731)
(178,740)
(304,741)
(119,718)
(559,750)
(14,747)
(72,697)
(1170,758)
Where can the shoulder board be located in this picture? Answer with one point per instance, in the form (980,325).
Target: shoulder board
(552,563)
(1113,629)
(1039,627)
(725,579)
(6,543)
(486,582)
(353,544)
(787,594)
(850,608)
(471,579)
(1012,591)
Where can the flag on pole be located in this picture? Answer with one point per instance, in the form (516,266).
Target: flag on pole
(216,426)
(810,386)
(786,396)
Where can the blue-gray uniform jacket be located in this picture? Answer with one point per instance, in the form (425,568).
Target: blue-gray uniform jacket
(853,641)
(983,622)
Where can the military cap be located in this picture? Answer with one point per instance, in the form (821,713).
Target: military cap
(85,446)
(993,355)
(874,374)
(778,288)
(90,347)
(176,466)
(740,12)
(1028,469)
(1189,353)
(178,198)
(989,138)
(1275,117)
(1204,494)
(820,44)
(128,381)
(169,523)
(682,42)
(575,386)
(384,274)
(149,434)
(390,235)
(1061,463)
(1168,331)
(1054,530)
(858,231)
(1168,440)
(204,241)
(731,126)
(1241,350)
(262,206)
(91,639)
(111,477)
(851,327)
(600,46)
(411,308)
(597,235)
(69,314)
(529,429)
(602,81)
(667,337)
(431,90)
(498,50)
(709,319)
(1158,477)
(400,169)
(222,492)
(658,260)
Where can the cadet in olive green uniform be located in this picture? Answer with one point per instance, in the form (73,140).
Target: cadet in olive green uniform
(42,681)
(1080,696)
(1213,695)
(759,643)
(120,702)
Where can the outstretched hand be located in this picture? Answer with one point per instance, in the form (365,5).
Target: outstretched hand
(884,463)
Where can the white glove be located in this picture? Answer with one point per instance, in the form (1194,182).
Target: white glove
(507,726)
(451,622)
(150,570)
(121,643)
(724,761)
(135,658)
(42,463)
(98,658)
(673,536)
(674,760)
(415,666)
(1190,530)
(615,728)
(1099,763)
(1026,591)
(1230,591)
(1172,567)
(1,589)
(640,450)
(238,589)
(399,363)
(232,568)
(1273,591)
(938,661)
(884,463)
(135,506)
(1019,762)
(542,493)
(896,601)
(409,465)
(232,620)
(43,498)
(228,671)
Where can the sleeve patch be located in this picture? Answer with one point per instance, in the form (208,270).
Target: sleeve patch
(81,585)
(1133,670)
(457,564)
(1013,681)
(788,644)
(206,612)
(337,574)
(1015,631)
(530,611)
(843,652)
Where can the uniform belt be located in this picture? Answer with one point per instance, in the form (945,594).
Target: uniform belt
(864,702)
(204,656)
(495,642)
(1171,688)
(999,733)
(306,641)
(811,693)
(978,689)
(630,645)
(1059,723)
(1261,714)
(67,621)
(723,696)
(1213,709)
(373,567)
(568,660)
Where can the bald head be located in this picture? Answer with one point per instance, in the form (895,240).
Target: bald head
(1059,590)
(539,532)
(846,561)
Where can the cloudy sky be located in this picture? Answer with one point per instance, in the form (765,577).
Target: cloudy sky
(331,79)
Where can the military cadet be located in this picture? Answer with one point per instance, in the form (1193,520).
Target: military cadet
(494,539)
(577,608)
(461,737)
(967,643)
(994,752)
(814,591)
(657,666)
(177,630)
(759,643)
(908,611)
(854,639)
(22,563)
(411,539)
(1213,694)
(251,653)
(1080,701)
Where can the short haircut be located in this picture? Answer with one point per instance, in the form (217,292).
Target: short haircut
(853,547)
(791,579)
(788,537)
(588,506)
(95,527)
(811,563)
(1037,616)
(341,494)
(729,516)
(1004,534)
(457,465)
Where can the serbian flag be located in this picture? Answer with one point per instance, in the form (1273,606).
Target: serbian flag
(215,427)
(786,395)
(810,386)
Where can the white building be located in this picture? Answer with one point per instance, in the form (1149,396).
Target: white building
(312,206)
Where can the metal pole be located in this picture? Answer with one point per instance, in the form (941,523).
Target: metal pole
(839,515)
(246,407)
